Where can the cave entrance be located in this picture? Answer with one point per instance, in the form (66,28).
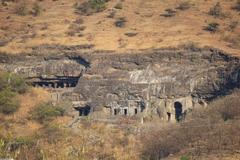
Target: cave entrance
(178,110)
(58,82)
(83,111)
(135,111)
(168,116)
(60,85)
(115,112)
(125,111)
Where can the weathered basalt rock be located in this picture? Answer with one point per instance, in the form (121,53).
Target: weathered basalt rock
(167,83)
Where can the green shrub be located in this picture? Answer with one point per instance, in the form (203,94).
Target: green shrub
(15,82)
(212,27)
(4,80)
(169,13)
(216,11)
(91,6)
(184,158)
(20,148)
(8,103)
(18,142)
(46,112)
(18,84)
(10,85)
(51,132)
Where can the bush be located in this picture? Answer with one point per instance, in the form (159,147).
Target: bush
(36,10)
(233,25)
(51,132)
(212,27)
(204,132)
(15,82)
(120,22)
(10,85)
(184,158)
(74,29)
(228,107)
(8,103)
(169,13)
(216,11)
(46,112)
(237,6)
(18,142)
(91,6)
(21,8)
(20,148)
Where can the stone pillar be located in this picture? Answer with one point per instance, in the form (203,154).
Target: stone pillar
(170,110)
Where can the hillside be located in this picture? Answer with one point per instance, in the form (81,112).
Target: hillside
(120,79)
(119,25)
(23,137)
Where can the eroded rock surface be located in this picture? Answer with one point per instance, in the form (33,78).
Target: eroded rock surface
(167,83)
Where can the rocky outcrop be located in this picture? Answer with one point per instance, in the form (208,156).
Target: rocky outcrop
(148,82)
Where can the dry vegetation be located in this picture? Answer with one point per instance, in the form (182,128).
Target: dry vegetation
(157,23)
(207,131)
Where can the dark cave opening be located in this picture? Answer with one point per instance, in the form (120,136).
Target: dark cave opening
(59,82)
(135,111)
(125,111)
(83,111)
(178,111)
(168,116)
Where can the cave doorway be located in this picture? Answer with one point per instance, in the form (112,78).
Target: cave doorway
(178,111)
(125,111)
(115,111)
(168,116)
(83,111)
(135,111)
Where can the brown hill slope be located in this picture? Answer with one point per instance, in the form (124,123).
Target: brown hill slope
(146,24)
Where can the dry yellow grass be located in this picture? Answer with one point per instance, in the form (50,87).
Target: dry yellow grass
(30,100)
(143,17)
(22,126)
(94,141)
(211,157)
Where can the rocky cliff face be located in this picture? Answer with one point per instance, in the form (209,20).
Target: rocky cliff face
(164,82)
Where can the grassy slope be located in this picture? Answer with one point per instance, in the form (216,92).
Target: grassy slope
(20,123)
(143,17)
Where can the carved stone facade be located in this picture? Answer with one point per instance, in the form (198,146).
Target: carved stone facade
(164,83)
